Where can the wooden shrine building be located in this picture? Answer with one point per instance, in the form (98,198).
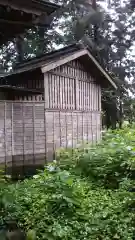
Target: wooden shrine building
(50,102)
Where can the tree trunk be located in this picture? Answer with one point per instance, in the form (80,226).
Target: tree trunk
(20,48)
(94,5)
(41,45)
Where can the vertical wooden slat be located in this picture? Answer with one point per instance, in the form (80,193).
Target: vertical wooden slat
(82,127)
(87,127)
(80,88)
(65,94)
(88,95)
(23,125)
(59,97)
(45,132)
(5,135)
(54,92)
(45,106)
(66,127)
(57,90)
(91,110)
(33,123)
(53,137)
(77,126)
(12,132)
(85,84)
(60,128)
(94,122)
(95,97)
(95,112)
(74,92)
(100,111)
(49,91)
(91,96)
(62,92)
(68,94)
(71,87)
(77,94)
(46,90)
(82,95)
(99,98)
(72,129)
(67,87)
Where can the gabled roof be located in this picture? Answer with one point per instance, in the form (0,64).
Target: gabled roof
(59,57)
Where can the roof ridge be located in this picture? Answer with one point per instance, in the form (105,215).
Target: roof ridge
(34,59)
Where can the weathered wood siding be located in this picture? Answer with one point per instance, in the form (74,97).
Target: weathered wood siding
(69,115)
(30,83)
(71,87)
(28,130)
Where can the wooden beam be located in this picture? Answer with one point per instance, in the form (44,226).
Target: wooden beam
(20,89)
(58,73)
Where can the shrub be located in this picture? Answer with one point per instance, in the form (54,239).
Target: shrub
(56,205)
(107,163)
(83,196)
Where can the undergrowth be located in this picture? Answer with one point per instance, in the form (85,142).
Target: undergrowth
(87,194)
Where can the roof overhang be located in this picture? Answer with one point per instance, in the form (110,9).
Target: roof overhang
(84,52)
(52,60)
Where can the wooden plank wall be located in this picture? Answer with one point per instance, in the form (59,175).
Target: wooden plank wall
(30,84)
(71,87)
(29,132)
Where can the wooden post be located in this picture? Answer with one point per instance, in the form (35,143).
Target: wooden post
(5,136)
(77,95)
(23,123)
(66,128)
(33,108)
(12,134)
(46,105)
(46,90)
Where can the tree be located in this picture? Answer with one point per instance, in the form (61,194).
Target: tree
(109,36)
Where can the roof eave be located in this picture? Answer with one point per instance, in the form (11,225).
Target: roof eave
(106,75)
(61,57)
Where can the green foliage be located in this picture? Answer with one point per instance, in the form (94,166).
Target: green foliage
(83,196)
(107,163)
